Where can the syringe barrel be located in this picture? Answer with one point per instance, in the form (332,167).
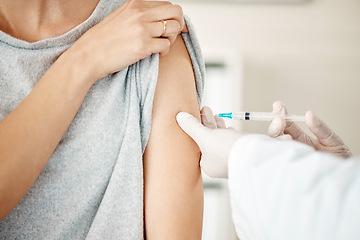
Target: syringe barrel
(264,116)
(254,116)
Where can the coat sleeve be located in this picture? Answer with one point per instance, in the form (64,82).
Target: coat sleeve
(285,190)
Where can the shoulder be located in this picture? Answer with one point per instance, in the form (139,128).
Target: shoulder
(176,80)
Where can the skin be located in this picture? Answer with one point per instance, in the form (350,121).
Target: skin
(35,12)
(173,183)
(31,132)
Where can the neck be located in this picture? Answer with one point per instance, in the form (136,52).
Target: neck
(38,19)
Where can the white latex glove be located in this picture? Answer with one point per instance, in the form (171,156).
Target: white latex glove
(213,138)
(326,140)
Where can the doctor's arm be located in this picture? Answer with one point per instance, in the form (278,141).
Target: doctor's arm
(281,189)
(173,184)
(287,190)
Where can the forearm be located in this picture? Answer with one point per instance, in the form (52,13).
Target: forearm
(286,190)
(31,132)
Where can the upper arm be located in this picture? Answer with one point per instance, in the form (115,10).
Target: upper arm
(173,184)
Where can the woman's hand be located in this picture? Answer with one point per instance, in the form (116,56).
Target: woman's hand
(132,32)
(326,140)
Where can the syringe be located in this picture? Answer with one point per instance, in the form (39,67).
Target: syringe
(260,116)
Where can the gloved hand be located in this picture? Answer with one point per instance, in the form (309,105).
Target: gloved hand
(213,138)
(326,140)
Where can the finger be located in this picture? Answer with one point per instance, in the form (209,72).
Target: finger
(341,151)
(296,132)
(164,28)
(156,29)
(164,53)
(159,45)
(207,118)
(285,137)
(165,12)
(220,123)
(152,4)
(277,127)
(172,27)
(324,134)
(183,24)
(172,38)
(290,127)
(185,29)
(198,132)
(279,107)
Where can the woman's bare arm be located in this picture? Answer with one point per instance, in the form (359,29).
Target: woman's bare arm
(30,133)
(173,184)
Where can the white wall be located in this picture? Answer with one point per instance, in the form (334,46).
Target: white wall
(307,55)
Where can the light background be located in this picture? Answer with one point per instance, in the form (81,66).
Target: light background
(306,54)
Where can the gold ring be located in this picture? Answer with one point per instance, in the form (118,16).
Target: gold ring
(164,22)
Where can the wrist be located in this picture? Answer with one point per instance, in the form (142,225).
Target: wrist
(81,63)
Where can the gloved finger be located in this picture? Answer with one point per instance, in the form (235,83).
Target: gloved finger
(285,137)
(277,127)
(279,107)
(290,128)
(220,122)
(198,132)
(207,117)
(324,134)
(296,132)
(341,150)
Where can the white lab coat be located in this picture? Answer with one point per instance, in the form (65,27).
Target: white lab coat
(284,190)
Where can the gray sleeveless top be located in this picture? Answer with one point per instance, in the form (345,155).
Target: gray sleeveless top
(92,187)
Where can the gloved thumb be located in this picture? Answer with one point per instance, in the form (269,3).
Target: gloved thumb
(193,128)
(278,125)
